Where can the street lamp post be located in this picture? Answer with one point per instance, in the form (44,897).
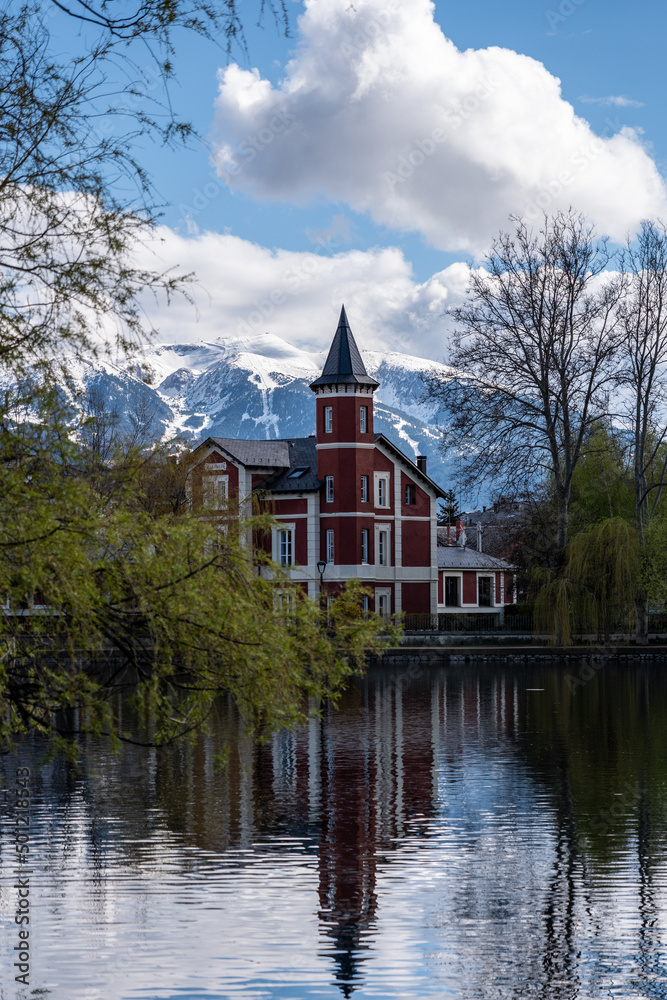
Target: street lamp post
(321,566)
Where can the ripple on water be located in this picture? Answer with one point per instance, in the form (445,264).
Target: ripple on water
(458,835)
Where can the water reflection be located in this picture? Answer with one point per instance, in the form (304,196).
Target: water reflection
(476,832)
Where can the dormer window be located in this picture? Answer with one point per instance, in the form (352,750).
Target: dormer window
(298,472)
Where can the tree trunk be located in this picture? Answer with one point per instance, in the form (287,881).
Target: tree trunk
(562,530)
(641,631)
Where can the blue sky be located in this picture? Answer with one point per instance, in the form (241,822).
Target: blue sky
(370,83)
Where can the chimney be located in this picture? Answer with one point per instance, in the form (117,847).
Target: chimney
(479,537)
(459,529)
(421,463)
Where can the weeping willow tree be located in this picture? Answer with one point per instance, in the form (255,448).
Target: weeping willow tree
(111,591)
(595,592)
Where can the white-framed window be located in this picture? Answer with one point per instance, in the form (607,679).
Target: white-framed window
(364,489)
(285,547)
(410,494)
(365,605)
(215,491)
(381,489)
(452,591)
(330,545)
(364,546)
(282,544)
(363,419)
(283,601)
(330,489)
(383,602)
(328,419)
(485,591)
(383,546)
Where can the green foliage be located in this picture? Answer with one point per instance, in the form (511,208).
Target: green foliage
(595,590)
(448,509)
(109,591)
(602,482)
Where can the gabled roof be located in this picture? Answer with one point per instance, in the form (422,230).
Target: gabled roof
(413,469)
(302,460)
(262,454)
(460,557)
(344,364)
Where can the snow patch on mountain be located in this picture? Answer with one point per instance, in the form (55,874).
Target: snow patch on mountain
(258,387)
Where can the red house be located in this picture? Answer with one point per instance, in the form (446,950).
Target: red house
(344,497)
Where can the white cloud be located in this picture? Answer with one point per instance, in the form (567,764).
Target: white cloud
(243,290)
(378,109)
(615,102)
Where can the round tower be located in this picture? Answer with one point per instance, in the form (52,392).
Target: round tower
(345,447)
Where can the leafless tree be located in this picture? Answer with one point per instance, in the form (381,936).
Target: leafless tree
(644,379)
(76,202)
(99,430)
(142,426)
(535,346)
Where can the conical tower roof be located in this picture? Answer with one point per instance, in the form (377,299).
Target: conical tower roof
(344,364)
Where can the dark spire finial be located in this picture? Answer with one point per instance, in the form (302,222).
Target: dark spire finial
(344,363)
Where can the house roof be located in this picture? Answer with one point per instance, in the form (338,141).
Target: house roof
(461,557)
(289,455)
(265,454)
(413,469)
(344,364)
(301,474)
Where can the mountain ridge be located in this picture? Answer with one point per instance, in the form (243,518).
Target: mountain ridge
(259,388)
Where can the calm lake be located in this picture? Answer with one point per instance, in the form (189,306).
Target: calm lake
(484,831)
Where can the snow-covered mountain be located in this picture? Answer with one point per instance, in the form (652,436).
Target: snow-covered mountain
(258,388)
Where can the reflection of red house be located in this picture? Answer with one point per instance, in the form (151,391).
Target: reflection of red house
(376,779)
(355,782)
(344,496)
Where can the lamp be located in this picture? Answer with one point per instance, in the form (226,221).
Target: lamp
(321,566)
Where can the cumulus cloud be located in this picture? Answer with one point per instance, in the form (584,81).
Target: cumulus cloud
(243,289)
(378,109)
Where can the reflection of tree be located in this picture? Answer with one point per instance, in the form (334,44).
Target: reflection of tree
(519,892)
(649,944)
(600,749)
(559,912)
